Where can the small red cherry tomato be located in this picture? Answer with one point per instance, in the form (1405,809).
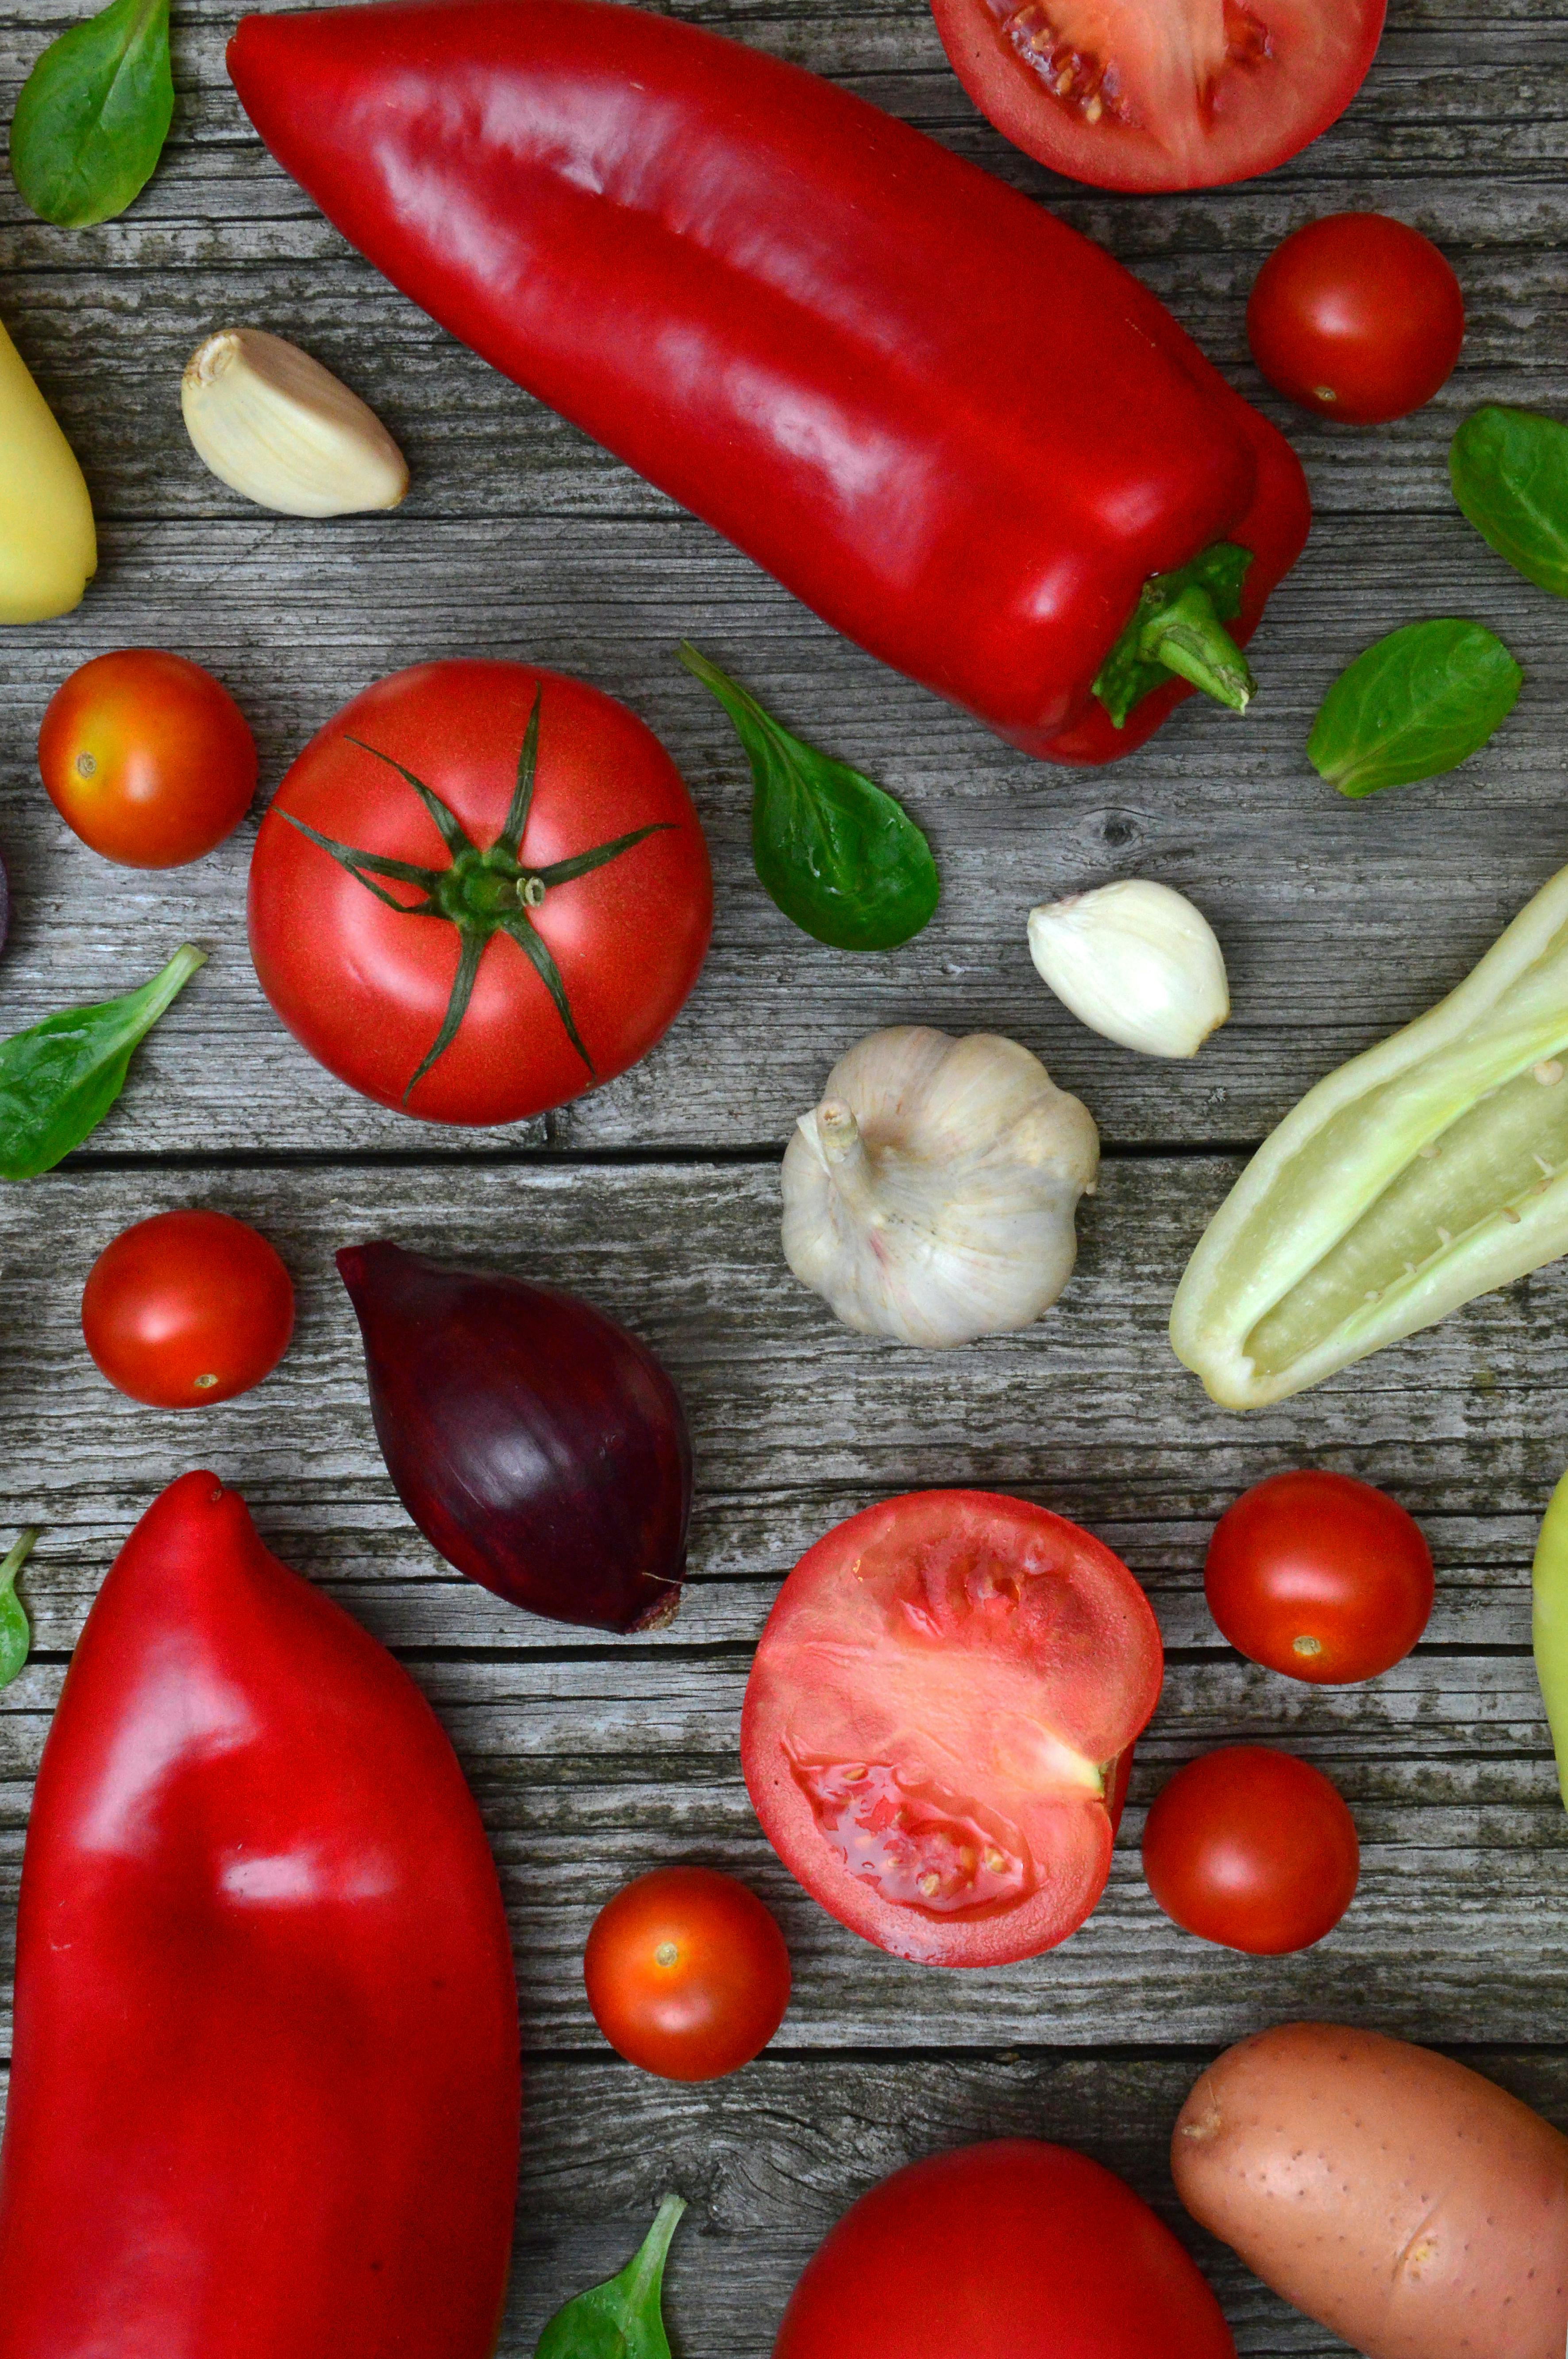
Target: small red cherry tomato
(186,1309)
(686,1973)
(1253,1849)
(147,758)
(1318,1576)
(1358,317)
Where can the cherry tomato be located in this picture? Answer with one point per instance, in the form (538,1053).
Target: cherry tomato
(937,1720)
(686,1973)
(1253,1849)
(1161,93)
(147,758)
(1358,317)
(578,975)
(1320,1577)
(187,1309)
(1012,2250)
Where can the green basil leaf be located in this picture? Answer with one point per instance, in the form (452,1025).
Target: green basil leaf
(837,854)
(1127,675)
(1419,703)
(1509,472)
(622,2319)
(16,1636)
(93,115)
(58,1080)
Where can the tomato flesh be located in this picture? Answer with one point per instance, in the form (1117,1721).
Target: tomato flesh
(147,758)
(1252,1848)
(1161,93)
(187,1309)
(686,1973)
(1318,1576)
(937,1720)
(1011,2250)
(1358,317)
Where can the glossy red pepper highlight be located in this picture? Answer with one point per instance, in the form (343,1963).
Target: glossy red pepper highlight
(265,2096)
(958,430)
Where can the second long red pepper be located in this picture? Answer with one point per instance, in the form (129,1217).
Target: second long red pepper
(961,432)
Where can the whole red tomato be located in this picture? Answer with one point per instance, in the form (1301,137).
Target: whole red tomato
(686,1973)
(187,1309)
(459,933)
(1318,1576)
(1015,2250)
(1126,95)
(938,1722)
(1358,317)
(1253,1849)
(148,758)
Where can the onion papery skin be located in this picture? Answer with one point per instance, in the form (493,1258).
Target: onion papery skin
(540,1448)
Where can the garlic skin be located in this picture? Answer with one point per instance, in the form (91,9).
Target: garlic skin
(931,1196)
(280,429)
(1135,962)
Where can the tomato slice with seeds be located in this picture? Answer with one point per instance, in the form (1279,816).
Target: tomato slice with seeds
(1161,93)
(940,1719)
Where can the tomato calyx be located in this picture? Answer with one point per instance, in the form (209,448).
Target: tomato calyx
(482,892)
(1178,626)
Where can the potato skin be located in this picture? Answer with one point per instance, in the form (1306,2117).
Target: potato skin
(1389,2193)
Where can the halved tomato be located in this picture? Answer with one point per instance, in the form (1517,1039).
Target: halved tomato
(939,1720)
(1161,93)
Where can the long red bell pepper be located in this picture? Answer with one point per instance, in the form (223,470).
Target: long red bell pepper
(957,430)
(265,2095)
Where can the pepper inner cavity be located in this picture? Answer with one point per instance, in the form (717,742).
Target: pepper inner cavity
(1499,1153)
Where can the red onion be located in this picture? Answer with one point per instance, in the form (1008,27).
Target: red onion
(537,1446)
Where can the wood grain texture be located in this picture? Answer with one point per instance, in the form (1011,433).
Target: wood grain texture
(594,1759)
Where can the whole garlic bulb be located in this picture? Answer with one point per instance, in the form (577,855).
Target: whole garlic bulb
(931,1195)
(1135,962)
(280,429)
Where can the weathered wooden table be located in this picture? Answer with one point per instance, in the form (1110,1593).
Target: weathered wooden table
(658,1197)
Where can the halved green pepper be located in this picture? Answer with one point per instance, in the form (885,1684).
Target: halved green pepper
(1429,1170)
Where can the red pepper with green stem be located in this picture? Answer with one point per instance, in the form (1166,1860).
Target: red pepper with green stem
(264,2094)
(958,430)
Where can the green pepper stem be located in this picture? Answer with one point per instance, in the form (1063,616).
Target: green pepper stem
(1189,637)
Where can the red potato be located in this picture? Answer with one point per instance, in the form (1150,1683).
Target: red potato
(1391,2194)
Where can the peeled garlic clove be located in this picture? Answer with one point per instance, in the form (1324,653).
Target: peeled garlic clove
(1134,961)
(279,429)
(931,1195)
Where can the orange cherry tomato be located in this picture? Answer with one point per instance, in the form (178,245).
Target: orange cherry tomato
(147,758)
(186,1309)
(686,1973)
(1251,1848)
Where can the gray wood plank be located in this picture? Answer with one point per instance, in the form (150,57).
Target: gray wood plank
(595,1758)
(592,1758)
(769,2159)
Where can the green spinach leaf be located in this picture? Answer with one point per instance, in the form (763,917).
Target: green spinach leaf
(16,1636)
(58,1080)
(623,2318)
(837,854)
(93,115)
(1509,472)
(1419,703)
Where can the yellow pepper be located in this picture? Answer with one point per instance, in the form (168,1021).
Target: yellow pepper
(1551,1624)
(48,551)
